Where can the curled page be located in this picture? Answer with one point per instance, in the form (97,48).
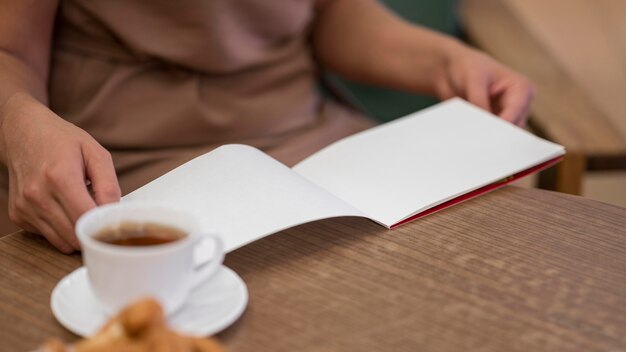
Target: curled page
(243,194)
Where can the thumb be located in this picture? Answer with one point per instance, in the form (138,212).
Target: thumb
(101,173)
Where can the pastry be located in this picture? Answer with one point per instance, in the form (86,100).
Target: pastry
(141,327)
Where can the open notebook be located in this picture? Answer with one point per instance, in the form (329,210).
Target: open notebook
(391,174)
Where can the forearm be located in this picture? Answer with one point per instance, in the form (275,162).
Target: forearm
(19,78)
(21,87)
(363,41)
(25,38)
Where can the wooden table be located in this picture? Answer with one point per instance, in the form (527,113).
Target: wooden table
(575,53)
(514,270)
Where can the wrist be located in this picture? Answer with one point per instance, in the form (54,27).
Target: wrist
(444,51)
(13,106)
(427,60)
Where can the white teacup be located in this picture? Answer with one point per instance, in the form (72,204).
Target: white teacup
(120,274)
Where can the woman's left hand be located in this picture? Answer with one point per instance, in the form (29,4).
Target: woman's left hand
(397,54)
(484,82)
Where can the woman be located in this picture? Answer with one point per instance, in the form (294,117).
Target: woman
(102,96)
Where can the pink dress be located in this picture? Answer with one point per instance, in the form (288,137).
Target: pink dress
(159,82)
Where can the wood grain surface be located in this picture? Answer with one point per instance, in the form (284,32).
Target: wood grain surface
(514,270)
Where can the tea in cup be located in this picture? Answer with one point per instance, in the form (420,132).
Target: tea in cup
(142,249)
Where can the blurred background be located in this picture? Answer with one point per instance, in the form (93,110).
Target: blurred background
(574,51)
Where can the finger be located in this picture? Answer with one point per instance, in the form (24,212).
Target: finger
(522,119)
(70,192)
(29,207)
(101,173)
(59,220)
(54,238)
(514,102)
(22,223)
(497,88)
(26,227)
(477,91)
(43,210)
(444,90)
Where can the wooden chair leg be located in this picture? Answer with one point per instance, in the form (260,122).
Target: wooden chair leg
(567,176)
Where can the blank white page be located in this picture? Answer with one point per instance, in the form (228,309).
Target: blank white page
(243,194)
(406,166)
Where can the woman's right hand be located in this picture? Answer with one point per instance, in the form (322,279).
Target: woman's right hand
(50,162)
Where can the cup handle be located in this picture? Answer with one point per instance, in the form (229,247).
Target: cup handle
(206,269)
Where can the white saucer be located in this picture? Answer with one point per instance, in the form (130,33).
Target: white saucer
(210,308)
